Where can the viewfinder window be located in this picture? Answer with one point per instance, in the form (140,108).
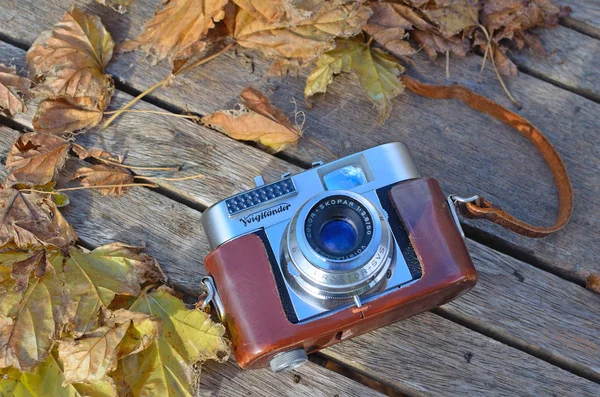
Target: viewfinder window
(345,178)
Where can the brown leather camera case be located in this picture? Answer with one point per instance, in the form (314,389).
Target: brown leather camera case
(254,315)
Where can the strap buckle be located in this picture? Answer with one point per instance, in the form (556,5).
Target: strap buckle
(453,202)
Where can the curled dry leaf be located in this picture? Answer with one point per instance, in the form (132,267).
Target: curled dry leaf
(302,40)
(12,90)
(30,220)
(94,278)
(66,115)
(377,71)
(96,153)
(104,175)
(91,357)
(37,318)
(256,120)
(47,381)
(389,28)
(70,58)
(36,158)
(188,336)
(176,29)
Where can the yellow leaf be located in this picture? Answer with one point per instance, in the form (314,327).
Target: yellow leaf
(25,341)
(304,40)
(11,88)
(47,381)
(176,29)
(71,57)
(90,358)
(377,71)
(35,158)
(94,278)
(30,220)
(256,120)
(188,336)
(102,175)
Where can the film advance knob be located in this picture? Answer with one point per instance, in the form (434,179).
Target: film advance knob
(288,360)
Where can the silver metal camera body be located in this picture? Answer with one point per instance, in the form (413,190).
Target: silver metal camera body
(332,241)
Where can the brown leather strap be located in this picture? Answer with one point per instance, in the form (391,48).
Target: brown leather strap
(482,208)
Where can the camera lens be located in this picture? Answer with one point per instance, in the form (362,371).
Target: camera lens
(338,236)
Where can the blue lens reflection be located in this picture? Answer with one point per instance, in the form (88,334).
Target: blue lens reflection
(338,236)
(345,178)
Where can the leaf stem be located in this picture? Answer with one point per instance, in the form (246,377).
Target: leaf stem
(66,189)
(185,116)
(180,178)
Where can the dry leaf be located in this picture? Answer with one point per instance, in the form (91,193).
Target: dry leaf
(66,115)
(377,71)
(188,337)
(30,220)
(26,339)
(119,6)
(90,358)
(176,29)
(36,158)
(256,120)
(105,175)
(389,28)
(70,58)
(21,270)
(12,87)
(305,40)
(94,278)
(593,282)
(47,381)
(84,153)
(452,17)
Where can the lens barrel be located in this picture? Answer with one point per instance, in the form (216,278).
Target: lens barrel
(337,246)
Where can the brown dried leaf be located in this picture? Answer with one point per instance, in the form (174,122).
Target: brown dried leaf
(67,115)
(389,28)
(176,29)
(504,65)
(434,44)
(84,153)
(593,282)
(30,220)
(71,57)
(11,89)
(452,17)
(306,39)
(21,270)
(103,174)
(256,120)
(36,158)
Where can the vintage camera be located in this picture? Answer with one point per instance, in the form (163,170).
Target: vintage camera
(330,253)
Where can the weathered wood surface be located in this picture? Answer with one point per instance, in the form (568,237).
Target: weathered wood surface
(446,138)
(577,355)
(172,233)
(585,16)
(572,61)
(418,363)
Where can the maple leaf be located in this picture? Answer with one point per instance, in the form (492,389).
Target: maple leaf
(94,278)
(47,381)
(452,17)
(30,220)
(176,29)
(389,28)
(90,358)
(377,72)
(26,339)
(256,120)
(70,58)
(188,336)
(11,89)
(304,40)
(35,158)
(105,175)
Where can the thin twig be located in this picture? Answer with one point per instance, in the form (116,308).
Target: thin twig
(134,167)
(447,64)
(181,178)
(487,49)
(66,189)
(163,82)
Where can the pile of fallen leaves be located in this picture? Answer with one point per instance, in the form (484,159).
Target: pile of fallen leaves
(101,322)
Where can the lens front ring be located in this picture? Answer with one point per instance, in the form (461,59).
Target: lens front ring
(321,277)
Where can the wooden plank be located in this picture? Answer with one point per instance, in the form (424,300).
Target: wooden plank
(527,335)
(417,358)
(173,234)
(585,16)
(446,138)
(572,61)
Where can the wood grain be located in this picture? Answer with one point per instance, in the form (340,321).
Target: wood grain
(448,140)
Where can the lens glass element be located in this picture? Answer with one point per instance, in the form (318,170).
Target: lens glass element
(339,236)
